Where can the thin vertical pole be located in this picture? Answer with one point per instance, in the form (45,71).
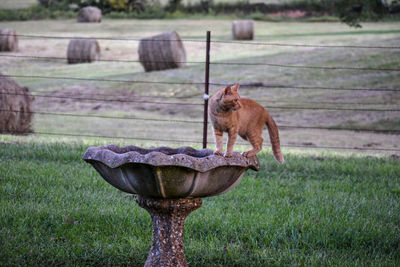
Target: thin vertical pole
(206,84)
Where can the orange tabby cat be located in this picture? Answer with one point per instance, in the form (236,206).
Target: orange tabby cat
(230,113)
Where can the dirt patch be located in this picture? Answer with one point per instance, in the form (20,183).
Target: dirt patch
(292,14)
(80,97)
(86,98)
(372,144)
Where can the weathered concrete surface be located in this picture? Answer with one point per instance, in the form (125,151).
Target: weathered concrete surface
(168,217)
(169,183)
(168,173)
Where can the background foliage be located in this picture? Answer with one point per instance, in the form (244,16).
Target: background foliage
(351,12)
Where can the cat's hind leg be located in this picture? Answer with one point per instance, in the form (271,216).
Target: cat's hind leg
(256,142)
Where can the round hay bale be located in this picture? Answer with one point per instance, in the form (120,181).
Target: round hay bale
(89,14)
(8,40)
(15,107)
(83,51)
(243,30)
(161,52)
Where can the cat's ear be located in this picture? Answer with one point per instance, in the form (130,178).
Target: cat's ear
(235,87)
(227,90)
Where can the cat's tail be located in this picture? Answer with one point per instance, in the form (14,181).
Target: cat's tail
(274,137)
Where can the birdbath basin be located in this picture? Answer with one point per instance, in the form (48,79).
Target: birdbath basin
(170,184)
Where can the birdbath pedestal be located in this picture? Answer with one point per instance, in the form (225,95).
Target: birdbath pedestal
(170,184)
(168,217)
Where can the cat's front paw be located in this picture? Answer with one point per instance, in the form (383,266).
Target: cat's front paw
(218,153)
(248,154)
(228,155)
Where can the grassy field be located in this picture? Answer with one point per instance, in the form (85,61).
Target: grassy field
(16,4)
(340,103)
(317,209)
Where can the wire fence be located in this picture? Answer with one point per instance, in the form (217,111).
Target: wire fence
(320,106)
(187,141)
(29,36)
(200,104)
(255,84)
(197,121)
(218,63)
(124,100)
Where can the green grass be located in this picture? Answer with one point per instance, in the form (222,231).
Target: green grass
(17,4)
(316,209)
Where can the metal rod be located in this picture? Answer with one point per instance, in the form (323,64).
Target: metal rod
(206,90)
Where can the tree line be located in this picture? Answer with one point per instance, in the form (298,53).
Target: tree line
(351,12)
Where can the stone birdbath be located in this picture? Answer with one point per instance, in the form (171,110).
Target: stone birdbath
(169,184)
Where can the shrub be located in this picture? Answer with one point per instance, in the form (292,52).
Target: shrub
(127,5)
(56,4)
(119,4)
(34,13)
(152,12)
(352,12)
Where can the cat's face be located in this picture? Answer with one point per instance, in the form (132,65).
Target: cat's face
(231,98)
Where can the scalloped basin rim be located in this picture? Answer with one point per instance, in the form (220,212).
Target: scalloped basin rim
(200,160)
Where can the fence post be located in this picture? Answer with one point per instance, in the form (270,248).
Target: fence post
(206,84)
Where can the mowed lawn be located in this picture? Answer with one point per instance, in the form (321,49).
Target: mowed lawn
(316,209)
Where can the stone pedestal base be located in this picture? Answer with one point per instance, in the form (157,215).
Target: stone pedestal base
(168,217)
